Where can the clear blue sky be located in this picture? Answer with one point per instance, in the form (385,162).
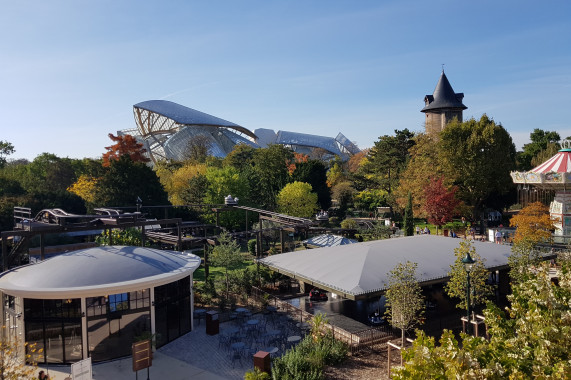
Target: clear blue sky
(70,71)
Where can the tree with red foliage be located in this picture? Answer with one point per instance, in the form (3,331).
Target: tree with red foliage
(440,202)
(124,145)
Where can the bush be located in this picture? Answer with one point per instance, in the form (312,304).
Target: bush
(309,357)
(252,246)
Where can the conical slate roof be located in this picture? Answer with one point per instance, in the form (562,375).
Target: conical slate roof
(443,96)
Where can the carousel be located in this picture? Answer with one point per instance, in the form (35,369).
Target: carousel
(550,180)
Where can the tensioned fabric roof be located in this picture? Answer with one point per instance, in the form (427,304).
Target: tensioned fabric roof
(98,271)
(360,270)
(329,240)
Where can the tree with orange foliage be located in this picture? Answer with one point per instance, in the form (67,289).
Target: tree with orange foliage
(533,224)
(124,145)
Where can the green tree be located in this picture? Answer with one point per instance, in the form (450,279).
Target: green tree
(456,286)
(271,171)
(343,193)
(125,180)
(221,183)
(540,140)
(297,199)
(370,199)
(405,302)
(314,172)
(478,156)
(409,217)
(529,340)
(6,149)
(388,158)
(226,255)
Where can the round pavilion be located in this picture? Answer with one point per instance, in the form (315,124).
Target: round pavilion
(96,302)
(555,175)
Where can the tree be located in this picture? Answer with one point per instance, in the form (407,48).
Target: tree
(456,286)
(6,149)
(85,187)
(271,171)
(533,224)
(388,158)
(424,163)
(409,218)
(544,155)
(125,180)
(241,157)
(125,145)
(314,172)
(540,140)
(343,194)
(12,364)
(478,156)
(440,202)
(370,199)
(187,184)
(198,148)
(529,340)
(226,255)
(405,303)
(222,182)
(297,199)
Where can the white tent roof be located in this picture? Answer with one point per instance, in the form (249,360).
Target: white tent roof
(98,271)
(360,269)
(328,240)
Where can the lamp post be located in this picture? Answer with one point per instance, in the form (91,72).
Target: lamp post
(468,262)
(139,204)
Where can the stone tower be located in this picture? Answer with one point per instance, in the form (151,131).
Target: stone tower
(442,106)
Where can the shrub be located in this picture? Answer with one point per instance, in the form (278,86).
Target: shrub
(252,246)
(309,357)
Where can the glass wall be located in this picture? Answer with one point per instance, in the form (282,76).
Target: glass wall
(172,310)
(55,327)
(115,321)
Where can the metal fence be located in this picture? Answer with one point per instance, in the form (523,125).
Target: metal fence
(374,338)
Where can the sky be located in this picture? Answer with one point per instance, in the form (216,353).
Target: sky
(71,71)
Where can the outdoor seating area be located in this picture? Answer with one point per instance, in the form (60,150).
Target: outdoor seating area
(268,330)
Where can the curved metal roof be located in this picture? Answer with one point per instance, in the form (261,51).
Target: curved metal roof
(360,270)
(98,271)
(443,96)
(188,116)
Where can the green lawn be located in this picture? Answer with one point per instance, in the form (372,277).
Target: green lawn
(220,271)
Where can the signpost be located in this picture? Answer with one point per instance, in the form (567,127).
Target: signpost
(142,356)
(81,370)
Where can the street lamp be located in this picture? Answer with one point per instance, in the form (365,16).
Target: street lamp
(468,262)
(139,204)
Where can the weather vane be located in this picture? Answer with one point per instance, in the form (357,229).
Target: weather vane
(443,67)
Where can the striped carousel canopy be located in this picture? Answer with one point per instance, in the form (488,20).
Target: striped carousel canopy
(560,163)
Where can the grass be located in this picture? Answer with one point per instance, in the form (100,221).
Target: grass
(214,271)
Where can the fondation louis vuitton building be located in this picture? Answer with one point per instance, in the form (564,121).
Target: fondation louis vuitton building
(166,129)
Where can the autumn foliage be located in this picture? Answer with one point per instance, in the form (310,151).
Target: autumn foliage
(441,202)
(533,223)
(124,145)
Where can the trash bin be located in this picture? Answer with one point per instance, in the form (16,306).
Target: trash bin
(212,323)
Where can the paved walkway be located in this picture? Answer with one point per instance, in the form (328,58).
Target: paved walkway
(194,356)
